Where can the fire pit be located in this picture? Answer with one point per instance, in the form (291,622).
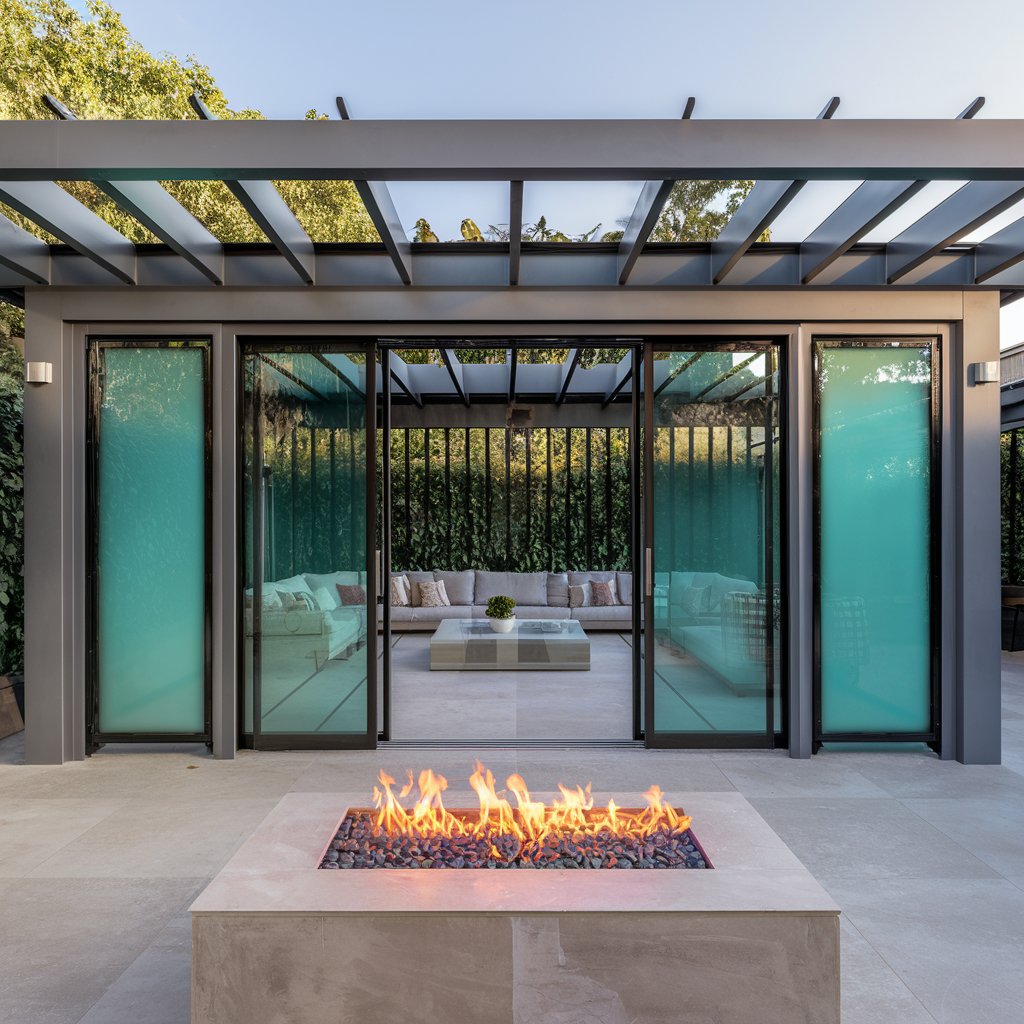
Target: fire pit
(281,936)
(568,833)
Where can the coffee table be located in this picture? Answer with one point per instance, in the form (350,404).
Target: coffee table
(533,644)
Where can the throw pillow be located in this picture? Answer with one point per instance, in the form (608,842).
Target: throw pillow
(580,595)
(351,593)
(696,600)
(434,595)
(294,602)
(603,594)
(326,598)
(400,592)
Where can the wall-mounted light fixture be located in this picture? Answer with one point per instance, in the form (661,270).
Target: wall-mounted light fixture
(983,373)
(39,373)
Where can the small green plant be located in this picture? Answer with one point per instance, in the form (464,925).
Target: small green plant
(500,607)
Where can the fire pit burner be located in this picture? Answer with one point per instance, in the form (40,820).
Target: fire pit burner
(569,833)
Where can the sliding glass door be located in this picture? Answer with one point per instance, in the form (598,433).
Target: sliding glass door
(310,581)
(713,600)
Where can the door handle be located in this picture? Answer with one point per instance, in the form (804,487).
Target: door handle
(648,572)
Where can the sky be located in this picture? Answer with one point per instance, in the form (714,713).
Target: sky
(595,58)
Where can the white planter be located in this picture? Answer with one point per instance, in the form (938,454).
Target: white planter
(503,625)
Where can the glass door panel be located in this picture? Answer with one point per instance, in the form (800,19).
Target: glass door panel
(712,661)
(309,593)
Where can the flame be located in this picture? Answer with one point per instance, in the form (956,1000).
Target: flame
(531,822)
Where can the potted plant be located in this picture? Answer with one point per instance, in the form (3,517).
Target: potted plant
(502,613)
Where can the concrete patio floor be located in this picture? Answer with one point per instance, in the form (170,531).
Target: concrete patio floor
(99,862)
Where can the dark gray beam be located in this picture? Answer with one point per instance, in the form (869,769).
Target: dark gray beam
(454,368)
(649,205)
(48,205)
(966,209)
(727,375)
(624,373)
(515,229)
(23,253)
(765,201)
(162,214)
(678,369)
(862,211)
(15,298)
(381,207)
(512,362)
(572,360)
(401,376)
(503,150)
(999,252)
(264,204)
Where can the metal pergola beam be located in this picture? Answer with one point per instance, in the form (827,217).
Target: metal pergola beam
(862,211)
(263,203)
(381,207)
(966,209)
(572,360)
(644,217)
(401,375)
(454,368)
(23,253)
(503,150)
(512,362)
(45,203)
(999,252)
(150,204)
(765,201)
(515,230)
(623,373)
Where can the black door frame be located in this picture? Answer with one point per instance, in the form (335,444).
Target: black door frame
(776,732)
(303,344)
(95,345)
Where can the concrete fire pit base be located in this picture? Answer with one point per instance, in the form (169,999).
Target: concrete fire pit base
(275,940)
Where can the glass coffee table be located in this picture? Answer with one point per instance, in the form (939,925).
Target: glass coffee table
(533,644)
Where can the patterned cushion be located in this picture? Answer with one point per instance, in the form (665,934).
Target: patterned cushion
(351,593)
(580,595)
(415,578)
(299,601)
(434,595)
(400,592)
(602,593)
(696,600)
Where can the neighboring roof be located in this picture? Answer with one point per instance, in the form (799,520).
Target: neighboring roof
(894,160)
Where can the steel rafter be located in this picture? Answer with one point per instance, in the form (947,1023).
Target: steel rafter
(862,211)
(572,360)
(264,204)
(642,221)
(454,368)
(765,201)
(23,253)
(515,230)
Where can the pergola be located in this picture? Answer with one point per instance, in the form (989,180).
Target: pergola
(894,160)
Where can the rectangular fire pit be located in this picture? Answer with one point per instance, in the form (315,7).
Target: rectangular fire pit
(276,939)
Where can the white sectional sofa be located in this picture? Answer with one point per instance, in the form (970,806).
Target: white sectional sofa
(538,595)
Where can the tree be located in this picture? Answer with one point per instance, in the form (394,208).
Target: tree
(12,515)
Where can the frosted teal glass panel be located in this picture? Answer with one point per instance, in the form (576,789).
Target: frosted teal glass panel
(305,641)
(151,556)
(715,495)
(875,498)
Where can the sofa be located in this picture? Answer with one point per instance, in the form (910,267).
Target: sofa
(721,621)
(538,595)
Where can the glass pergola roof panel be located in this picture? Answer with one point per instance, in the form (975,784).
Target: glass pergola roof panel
(899,220)
(329,211)
(576,211)
(444,206)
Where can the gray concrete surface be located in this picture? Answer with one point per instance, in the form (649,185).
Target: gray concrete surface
(99,861)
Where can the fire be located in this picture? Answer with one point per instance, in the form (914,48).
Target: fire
(531,822)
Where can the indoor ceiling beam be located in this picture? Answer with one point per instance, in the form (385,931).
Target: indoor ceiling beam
(515,230)
(862,211)
(265,205)
(967,208)
(644,217)
(45,203)
(380,206)
(23,253)
(153,207)
(515,150)
(765,201)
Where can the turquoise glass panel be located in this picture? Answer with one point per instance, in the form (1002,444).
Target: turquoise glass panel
(151,564)
(306,588)
(874,410)
(715,558)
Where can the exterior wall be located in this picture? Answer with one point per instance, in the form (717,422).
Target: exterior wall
(58,321)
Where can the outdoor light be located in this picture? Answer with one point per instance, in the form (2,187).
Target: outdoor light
(984,373)
(38,373)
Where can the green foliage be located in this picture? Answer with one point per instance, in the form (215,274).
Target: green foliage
(93,65)
(12,322)
(12,584)
(1011,457)
(500,607)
